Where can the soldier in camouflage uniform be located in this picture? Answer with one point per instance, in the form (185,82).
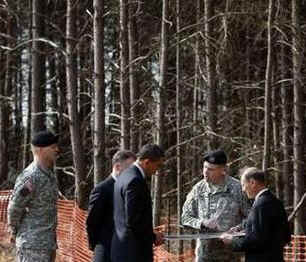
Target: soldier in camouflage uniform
(215,204)
(32,213)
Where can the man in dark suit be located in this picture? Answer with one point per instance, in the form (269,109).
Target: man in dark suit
(99,223)
(267,229)
(133,237)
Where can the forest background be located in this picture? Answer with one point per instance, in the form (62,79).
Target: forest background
(190,76)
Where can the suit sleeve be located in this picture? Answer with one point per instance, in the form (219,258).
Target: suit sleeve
(136,207)
(96,204)
(258,236)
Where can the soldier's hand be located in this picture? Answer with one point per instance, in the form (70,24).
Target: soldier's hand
(12,233)
(226,238)
(210,223)
(12,239)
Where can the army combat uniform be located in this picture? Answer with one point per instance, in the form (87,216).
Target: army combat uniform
(225,204)
(32,214)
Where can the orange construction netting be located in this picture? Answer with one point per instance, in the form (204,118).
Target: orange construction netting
(72,239)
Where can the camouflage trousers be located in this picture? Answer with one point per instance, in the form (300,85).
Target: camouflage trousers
(215,251)
(35,255)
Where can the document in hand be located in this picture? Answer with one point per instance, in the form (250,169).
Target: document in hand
(201,236)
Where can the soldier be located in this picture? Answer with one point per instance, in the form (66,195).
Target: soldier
(32,213)
(215,204)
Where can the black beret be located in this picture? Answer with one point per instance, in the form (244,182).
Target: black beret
(44,138)
(216,157)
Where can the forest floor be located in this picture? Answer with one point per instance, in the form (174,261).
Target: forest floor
(7,252)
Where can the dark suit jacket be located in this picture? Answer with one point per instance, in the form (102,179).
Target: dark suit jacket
(267,231)
(100,223)
(133,236)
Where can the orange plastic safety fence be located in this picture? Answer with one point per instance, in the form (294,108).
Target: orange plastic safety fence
(72,239)
(296,250)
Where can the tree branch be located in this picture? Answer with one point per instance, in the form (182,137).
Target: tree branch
(296,209)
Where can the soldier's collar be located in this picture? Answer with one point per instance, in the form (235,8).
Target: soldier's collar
(44,170)
(218,188)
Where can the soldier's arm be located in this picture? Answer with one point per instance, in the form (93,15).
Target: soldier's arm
(190,216)
(245,207)
(20,198)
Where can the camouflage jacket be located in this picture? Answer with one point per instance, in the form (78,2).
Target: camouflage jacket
(32,213)
(227,205)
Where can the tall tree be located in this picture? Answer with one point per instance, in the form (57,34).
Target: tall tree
(211,82)
(268,93)
(179,156)
(286,107)
(124,83)
(161,107)
(72,87)
(196,89)
(99,126)
(38,66)
(133,73)
(299,115)
(28,98)
(3,147)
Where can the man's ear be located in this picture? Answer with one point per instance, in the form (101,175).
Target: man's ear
(116,167)
(146,162)
(252,181)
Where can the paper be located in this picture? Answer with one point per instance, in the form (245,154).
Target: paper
(201,236)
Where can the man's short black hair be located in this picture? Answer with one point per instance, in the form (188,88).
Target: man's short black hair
(152,152)
(256,174)
(122,155)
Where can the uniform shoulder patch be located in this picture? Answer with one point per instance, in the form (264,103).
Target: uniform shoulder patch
(27,188)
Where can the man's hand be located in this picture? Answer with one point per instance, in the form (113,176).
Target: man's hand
(12,234)
(210,223)
(235,229)
(226,238)
(159,238)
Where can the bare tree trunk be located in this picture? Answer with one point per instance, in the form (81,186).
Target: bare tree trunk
(38,67)
(161,109)
(268,88)
(212,108)
(53,94)
(99,127)
(299,112)
(195,166)
(276,142)
(287,131)
(179,162)
(124,84)
(27,130)
(5,88)
(72,85)
(133,75)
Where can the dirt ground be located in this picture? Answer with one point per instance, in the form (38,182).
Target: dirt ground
(7,253)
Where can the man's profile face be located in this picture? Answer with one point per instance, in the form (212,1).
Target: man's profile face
(247,187)
(50,154)
(153,166)
(213,174)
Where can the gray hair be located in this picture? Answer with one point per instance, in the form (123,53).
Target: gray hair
(122,155)
(253,173)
